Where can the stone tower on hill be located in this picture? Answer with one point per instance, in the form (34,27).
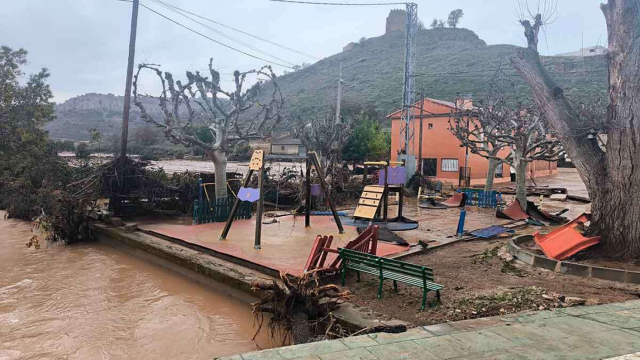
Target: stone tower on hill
(396,20)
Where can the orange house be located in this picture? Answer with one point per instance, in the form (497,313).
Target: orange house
(443,156)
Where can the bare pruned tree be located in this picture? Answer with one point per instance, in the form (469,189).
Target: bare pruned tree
(504,121)
(609,171)
(231,117)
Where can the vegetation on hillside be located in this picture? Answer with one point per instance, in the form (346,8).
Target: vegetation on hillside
(449,61)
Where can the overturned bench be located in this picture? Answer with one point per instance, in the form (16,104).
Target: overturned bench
(398,271)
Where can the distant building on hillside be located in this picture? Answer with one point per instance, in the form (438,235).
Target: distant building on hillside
(396,21)
(588,51)
(288,147)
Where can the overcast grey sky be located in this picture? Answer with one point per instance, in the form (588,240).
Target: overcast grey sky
(84,43)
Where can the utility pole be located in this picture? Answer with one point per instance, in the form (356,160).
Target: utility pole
(339,96)
(407,117)
(420,136)
(127,91)
(339,102)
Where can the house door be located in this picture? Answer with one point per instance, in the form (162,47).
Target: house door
(430,167)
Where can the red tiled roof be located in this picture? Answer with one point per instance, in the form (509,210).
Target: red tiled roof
(417,104)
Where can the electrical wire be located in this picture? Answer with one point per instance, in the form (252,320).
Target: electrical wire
(175,10)
(240,31)
(339,4)
(213,40)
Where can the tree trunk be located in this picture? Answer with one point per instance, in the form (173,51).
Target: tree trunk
(521,184)
(611,176)
(220,163)
(491,174)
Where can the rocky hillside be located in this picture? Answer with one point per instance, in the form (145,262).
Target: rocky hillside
(77,115)
(448,62)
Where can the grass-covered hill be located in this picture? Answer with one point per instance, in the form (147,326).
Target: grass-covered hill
(449,62)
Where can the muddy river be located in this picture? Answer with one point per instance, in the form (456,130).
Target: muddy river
(91,301)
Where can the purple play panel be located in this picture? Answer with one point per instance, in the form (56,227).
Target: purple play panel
(249,194)
(396,176)
(315,190)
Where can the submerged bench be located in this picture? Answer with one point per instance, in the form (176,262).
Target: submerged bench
(390,269)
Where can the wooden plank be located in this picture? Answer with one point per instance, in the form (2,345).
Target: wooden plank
(367,212)
(373,188)
(256,160)
(370,202)
(369,195)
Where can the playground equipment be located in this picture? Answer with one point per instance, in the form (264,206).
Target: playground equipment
(251,195)
(367,242)
(312,161)
(482,198)
(512,212)
(565,241)
(247,194)
(374,195)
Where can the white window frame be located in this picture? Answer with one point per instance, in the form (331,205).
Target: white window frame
(447,165)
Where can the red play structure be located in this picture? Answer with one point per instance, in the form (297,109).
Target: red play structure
(367,242)
(565,240)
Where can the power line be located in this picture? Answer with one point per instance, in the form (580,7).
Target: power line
(242,32)
(170,8)
(339,4)
(215,41)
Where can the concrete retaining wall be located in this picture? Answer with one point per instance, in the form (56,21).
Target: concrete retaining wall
(209,270)
(569,268)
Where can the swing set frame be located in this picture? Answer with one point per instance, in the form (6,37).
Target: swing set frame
(257,165)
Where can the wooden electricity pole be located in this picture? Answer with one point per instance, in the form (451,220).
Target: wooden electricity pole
(127,91)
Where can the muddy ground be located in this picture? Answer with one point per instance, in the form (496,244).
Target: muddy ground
(479,283)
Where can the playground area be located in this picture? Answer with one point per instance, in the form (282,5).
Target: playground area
(286,244)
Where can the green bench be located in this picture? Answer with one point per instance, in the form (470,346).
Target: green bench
(395,270)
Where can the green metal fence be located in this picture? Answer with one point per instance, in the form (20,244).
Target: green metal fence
(208,210)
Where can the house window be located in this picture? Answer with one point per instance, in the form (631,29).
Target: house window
(282,147)
(430,126)
(499,170)
(450,165)
(429,167)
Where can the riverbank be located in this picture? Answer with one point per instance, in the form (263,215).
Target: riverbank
(94,301)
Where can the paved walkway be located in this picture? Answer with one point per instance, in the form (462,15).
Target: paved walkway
(595,332)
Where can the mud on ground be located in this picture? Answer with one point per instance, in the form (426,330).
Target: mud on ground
(479,283)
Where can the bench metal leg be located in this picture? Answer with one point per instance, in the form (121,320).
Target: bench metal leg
(380,288)
(424,299)
(344,275)
(395,286)
(358,273)
(438,296)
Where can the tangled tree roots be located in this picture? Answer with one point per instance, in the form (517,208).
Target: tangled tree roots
(300,308)
(69,210)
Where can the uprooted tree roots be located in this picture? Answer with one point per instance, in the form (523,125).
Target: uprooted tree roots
(299,308)
(69,209)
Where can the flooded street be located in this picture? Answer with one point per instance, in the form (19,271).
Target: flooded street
(179,165)
(91,301)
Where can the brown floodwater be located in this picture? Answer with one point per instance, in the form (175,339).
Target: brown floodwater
(91,301)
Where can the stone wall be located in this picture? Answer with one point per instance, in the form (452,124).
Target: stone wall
(396,21)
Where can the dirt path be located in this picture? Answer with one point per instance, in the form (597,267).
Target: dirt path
(479,283)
